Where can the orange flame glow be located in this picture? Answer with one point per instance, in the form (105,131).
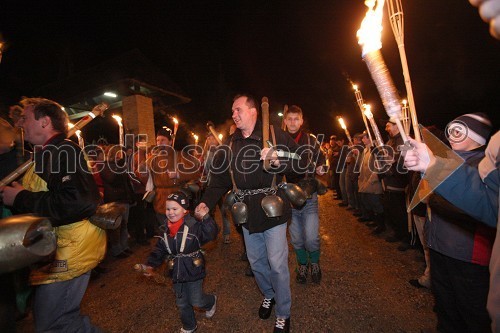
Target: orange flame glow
(370,33)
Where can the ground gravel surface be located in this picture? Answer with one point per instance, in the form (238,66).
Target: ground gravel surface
(364,288)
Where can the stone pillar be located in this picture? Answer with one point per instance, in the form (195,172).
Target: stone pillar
(138,117)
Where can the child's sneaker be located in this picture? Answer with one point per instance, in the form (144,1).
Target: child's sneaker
(183,330)
(210,313)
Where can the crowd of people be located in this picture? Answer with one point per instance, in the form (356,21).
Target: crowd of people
(272,178)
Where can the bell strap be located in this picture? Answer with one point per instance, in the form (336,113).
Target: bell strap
(183,242)
(273,135)
(184,237)
(235,188)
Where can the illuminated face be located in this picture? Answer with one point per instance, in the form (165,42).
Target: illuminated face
(33,129)
(464,144)
(163,141)
(293,122)
(244,117)
(174,211)
(391,128)
(366,140)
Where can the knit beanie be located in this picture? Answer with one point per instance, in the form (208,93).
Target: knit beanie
(166,132)
(180,198)
(476,126)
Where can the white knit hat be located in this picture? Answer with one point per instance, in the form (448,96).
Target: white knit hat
(476,126)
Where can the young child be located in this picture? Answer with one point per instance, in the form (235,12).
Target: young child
(180,246)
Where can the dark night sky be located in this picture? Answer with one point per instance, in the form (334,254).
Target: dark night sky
(294,52)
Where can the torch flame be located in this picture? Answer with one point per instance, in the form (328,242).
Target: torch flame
(370,33)
(118,119)
(368,111)
(175,121)
(195,137)
(342,123)
(221,136)
(355,87)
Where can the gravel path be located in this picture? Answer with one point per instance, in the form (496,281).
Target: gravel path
(364,288)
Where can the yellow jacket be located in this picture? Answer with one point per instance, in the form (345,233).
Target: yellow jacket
(80,245)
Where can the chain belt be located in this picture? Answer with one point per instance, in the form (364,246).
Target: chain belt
(187,255)
(240,194)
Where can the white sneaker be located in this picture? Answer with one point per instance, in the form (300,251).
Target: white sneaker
(210,313)
(189,331)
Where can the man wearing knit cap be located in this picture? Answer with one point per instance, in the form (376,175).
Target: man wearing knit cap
(459,246)
(470,126)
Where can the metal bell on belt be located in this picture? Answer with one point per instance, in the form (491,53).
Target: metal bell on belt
(308,186)
(272,205)
(295,194)
(239,211)
(197,261)
(24,240)
(170,264)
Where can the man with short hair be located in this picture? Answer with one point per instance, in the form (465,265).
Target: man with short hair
(265,237)
(59,186)
(304,227)
(394,182)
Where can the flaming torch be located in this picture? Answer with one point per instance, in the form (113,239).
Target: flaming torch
(359,99)
(344,127)
(78,133)
(195,139)
(369,36)
(368,113)
(176,127)
(120,134)
(395,10)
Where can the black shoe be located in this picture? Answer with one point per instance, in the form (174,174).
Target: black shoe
(248,271)
(282,325)
(364,219)
(372,224)
(315,273)
(392,239)
(349,208)
(266,308)
(302,274)
(415,283)
(378,230)
(357,214)
(337,198)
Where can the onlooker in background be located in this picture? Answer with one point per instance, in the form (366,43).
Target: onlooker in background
(118,189)
(370,189)
(352,174)
(394,182)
